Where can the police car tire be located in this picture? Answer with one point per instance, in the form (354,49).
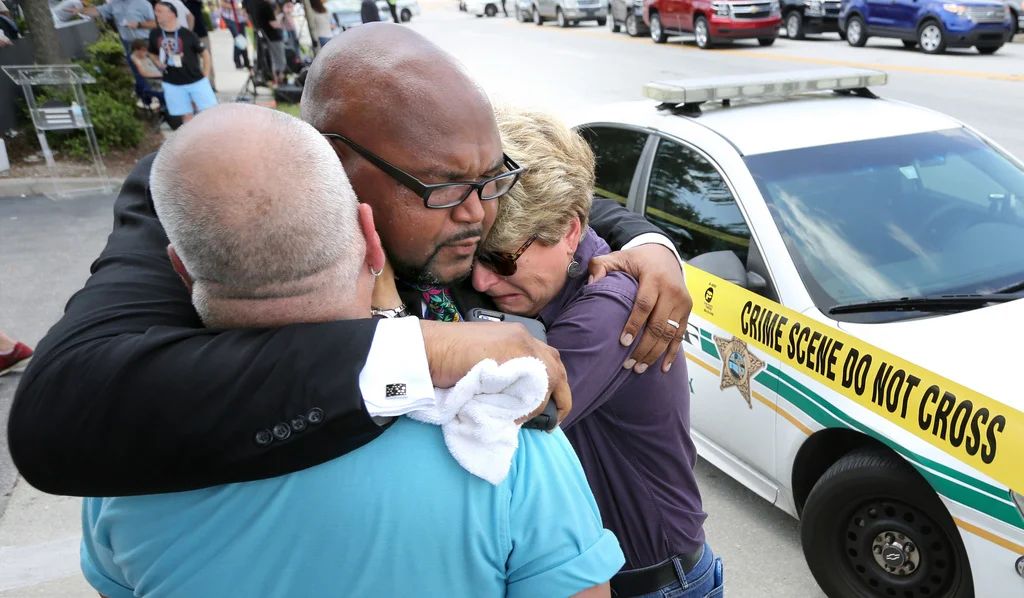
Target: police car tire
(877,475)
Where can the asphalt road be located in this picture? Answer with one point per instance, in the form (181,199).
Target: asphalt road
(46,246)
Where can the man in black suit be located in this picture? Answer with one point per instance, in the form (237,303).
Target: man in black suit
(129,394)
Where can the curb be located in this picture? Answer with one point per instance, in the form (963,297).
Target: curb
(15,188)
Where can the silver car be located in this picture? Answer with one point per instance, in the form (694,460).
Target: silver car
(566,12)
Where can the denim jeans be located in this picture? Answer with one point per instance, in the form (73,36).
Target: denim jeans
(704,581)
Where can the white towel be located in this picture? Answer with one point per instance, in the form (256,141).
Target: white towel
(478,415)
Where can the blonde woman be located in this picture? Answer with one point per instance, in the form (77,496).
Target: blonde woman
(631,432)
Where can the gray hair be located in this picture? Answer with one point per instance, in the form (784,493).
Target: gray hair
(255,202)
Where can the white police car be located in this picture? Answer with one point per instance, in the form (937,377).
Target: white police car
(856,332)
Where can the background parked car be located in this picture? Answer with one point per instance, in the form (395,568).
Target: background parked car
(569,12)
(714,21)
(407,9)
(1016,14)
(800,17)
(933,24)
(523,10)
(628,14)
(488,8)
(346,12)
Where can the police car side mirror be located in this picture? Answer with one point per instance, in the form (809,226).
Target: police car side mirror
(724,264)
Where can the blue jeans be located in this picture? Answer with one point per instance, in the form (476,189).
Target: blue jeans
(704,581)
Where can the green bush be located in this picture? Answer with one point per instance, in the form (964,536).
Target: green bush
(111,101)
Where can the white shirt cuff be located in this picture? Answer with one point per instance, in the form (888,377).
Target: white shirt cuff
(648,238)
(396,366)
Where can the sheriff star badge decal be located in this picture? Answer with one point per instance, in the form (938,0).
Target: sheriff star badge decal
(739,365)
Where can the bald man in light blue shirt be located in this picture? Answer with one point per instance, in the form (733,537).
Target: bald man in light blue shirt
(397,517)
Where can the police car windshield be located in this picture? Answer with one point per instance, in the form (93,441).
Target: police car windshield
(936,213)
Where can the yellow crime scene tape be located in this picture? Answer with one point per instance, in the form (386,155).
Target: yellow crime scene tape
(967,425)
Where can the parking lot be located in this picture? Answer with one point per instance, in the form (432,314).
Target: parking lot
(587,65)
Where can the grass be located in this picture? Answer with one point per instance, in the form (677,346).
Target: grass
(292,109)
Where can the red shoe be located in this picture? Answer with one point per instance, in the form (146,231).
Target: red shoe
(16,360)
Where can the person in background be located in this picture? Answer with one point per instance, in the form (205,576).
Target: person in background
(185,63)
(631,433)
(369,11)
(195,9)
(291,32)
(143,61)
(229,11)
(134,20)
(8,29)
(14,356)
(393,6)
(321,20)
(185,18)
(265,19)
(332,529)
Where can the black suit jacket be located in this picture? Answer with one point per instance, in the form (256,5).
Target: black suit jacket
(129,394)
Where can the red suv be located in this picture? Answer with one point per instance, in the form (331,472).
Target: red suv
(711,21)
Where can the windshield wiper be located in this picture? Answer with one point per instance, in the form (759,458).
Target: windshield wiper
(1013,288)
(925,303)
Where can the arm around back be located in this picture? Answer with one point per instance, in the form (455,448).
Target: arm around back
(128,394)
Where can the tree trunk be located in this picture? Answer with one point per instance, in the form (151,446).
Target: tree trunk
(46,48)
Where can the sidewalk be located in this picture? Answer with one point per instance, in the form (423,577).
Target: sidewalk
(40,533)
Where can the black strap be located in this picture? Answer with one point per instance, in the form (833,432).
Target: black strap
(637,582)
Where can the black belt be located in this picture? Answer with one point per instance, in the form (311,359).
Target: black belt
(637,582)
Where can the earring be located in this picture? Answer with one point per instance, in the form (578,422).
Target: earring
(376,273)
(574,269)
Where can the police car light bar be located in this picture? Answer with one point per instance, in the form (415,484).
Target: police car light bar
(695,91)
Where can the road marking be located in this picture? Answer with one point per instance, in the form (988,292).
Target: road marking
(22,566)
(806,60)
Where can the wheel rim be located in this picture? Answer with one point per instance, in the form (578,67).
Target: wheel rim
(894,549)
(701,33)
(931,37)
(631,25)
(793,25)
(656,27)
(853,31)
(406,15)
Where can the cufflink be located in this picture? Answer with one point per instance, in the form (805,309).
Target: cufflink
(394,390)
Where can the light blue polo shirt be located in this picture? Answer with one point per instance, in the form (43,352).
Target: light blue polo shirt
(397,517)
(128,10)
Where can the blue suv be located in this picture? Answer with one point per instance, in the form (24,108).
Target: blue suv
(932,24)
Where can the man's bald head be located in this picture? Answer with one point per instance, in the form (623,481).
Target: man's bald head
(389,79)
(257,206)
(389,90)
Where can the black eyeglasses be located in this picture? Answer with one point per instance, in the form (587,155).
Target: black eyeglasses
(503,264)
(440,195)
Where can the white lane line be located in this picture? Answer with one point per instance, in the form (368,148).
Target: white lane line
(22,566)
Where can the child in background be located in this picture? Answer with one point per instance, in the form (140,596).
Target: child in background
(142,61)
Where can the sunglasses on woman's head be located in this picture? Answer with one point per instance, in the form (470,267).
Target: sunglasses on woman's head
(503,264)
